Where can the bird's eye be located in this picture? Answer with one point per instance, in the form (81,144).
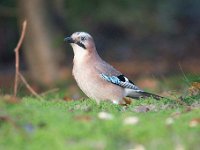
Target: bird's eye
(83,38)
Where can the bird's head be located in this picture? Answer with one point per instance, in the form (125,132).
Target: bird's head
(81,40)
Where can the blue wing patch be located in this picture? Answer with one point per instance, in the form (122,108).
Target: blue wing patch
(120,80)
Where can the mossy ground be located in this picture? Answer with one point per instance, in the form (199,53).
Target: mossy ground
(53,123)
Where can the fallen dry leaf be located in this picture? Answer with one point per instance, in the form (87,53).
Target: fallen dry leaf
(105,116)
(194,122)
(127,101)
(67,99)
(131,120)
(195,88)
(83,118)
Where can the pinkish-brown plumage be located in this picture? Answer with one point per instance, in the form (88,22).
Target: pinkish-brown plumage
(88,68)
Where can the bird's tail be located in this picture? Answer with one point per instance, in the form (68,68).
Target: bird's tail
(146,95)
(141,94)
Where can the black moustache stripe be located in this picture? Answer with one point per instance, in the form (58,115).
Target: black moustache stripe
(81,45)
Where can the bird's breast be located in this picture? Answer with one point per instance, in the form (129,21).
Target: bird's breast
(85,75)
(90,82)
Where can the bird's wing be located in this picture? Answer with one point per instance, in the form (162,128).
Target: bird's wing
(122,81)
(107,69)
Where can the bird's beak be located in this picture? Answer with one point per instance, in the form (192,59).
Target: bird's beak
(69,40)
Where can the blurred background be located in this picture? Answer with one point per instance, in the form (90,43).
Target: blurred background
(149,41)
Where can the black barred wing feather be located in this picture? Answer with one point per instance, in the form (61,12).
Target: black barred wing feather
(122,81)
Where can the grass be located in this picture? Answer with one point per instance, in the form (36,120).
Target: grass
(56,124)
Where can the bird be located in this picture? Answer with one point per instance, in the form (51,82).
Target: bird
(98,79)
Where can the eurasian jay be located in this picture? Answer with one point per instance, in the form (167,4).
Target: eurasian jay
(98,79)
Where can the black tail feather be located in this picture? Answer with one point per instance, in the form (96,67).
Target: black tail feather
(147,95)
(138,95)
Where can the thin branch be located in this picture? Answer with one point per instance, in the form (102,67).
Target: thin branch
(28,86)
(49,91)
(17,57)
(17,72)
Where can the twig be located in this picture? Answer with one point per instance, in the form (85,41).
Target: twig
(17,72)
(49,91)
(28,86)
(17,57)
